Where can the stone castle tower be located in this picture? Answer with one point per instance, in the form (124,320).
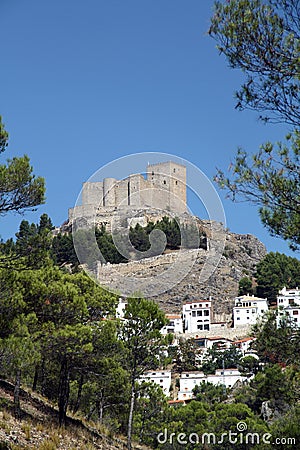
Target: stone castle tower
(162,190)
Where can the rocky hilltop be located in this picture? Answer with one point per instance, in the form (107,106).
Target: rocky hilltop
(229,257)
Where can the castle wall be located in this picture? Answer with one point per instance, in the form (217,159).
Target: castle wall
(82,211)
(163,190)
(170,180)
(122,193)
(109,197)
(92,194)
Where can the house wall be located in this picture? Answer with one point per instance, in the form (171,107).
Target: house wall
(196,316)
(188,381)
(248,309)
(161,378)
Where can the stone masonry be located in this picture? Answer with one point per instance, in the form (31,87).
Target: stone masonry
(163,190)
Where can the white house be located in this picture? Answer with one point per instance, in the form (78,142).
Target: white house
(248,309)
(218,343)
(160,377)
(196,316)
(288,307)
(287,297)
(290,315)
(244,345)
(174,326)
(225,377)
(187,382)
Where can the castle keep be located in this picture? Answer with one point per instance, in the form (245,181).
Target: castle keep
(163,190)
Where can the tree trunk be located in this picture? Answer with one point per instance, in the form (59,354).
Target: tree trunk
(100,407)
(17,409)
(79,393)
(43,378)
(130,418)
(63,392)
(91,412)
(36,377)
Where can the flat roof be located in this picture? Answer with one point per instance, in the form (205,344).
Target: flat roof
(196,301)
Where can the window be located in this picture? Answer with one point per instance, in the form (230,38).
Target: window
(295,313)
(206,312)
(238,318)
(194,313)
(253,311)
(247,311)
(152,172)
(165,182)
(199,327)
(174,170)
(176,182)
(199,313)
(206,326)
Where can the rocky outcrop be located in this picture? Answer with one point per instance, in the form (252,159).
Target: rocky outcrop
(229,257)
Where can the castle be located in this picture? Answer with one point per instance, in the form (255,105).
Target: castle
(163,191)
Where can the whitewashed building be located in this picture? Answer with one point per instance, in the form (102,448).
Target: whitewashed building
(223,377)
(288,297)
(160,377)
(248,309)
(187,382)
(175,325)
(288,307)
(290,315)
(226,377)
(244,345)
(196,316)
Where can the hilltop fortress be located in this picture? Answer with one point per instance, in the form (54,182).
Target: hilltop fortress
(137,198)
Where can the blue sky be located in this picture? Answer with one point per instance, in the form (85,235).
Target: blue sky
(84,83)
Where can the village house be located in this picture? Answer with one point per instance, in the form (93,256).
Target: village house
(288,307)
(248,309)
(290,315)
(196,316)
(160,377)
(222,377)
(174,326)
(288,297)
(244,345)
